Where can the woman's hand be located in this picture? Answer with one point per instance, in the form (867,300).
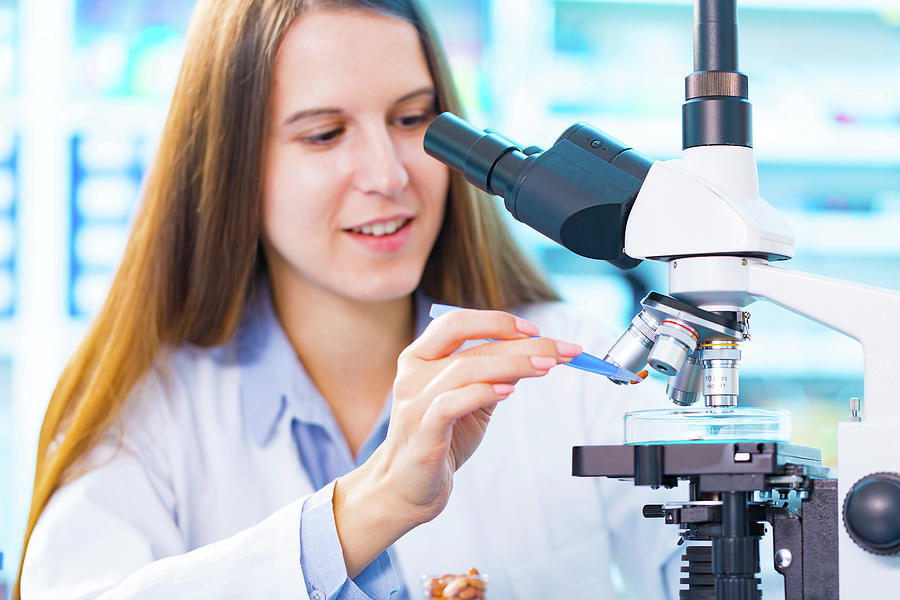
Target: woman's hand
(444,401)
(441,408)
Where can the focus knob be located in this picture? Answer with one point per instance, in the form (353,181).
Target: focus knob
(872,513)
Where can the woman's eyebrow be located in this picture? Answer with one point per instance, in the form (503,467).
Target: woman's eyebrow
(311,112)
(315,112)
(421,91)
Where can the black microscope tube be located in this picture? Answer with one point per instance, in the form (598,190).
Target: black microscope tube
(470,151)
(716,111)
(734,514)
(449,139)
(735,554)
(715,35)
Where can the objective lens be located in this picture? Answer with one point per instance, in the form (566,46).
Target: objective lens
(684,389)
(719,360)
(632,349)
(674,341)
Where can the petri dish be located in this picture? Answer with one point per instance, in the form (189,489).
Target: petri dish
(708,424)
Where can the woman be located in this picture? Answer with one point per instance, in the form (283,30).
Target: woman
(261,408)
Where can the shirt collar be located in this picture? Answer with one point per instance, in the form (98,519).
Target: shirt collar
(263,351)
(271,373)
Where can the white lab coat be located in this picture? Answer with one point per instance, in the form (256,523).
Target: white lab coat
(182,504)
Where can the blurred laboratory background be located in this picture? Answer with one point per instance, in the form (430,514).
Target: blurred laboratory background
(84,87)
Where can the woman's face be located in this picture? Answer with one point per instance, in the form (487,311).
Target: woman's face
(352,205)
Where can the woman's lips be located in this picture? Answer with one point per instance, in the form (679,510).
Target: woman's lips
(383,244)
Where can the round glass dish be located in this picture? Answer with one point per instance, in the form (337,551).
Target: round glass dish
(711,425)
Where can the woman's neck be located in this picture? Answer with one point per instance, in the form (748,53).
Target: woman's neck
(349,348)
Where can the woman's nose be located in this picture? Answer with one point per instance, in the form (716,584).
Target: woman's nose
(380,167)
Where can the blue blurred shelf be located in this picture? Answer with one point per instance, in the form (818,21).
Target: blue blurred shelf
(106,178)
(9,194)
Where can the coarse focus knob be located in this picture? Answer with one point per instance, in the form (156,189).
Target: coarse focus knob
(872,513)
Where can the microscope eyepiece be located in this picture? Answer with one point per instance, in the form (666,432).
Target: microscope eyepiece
(469,150)
(578,193)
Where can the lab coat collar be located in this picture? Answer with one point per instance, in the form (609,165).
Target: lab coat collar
(271,373)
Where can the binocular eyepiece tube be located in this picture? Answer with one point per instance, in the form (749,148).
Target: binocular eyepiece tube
(578,193)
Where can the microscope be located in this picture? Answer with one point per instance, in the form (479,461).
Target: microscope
(702,215)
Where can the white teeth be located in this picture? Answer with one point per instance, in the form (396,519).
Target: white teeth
(382,228)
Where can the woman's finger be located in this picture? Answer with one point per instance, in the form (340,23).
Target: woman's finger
(445,334)
(467,370)
(449,406)
(536,346)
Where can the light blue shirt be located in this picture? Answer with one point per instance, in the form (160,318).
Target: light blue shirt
(275,386)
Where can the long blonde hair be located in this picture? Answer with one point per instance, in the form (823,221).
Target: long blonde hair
(176,286)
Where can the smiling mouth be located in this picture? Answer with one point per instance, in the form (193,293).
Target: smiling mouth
(381,229)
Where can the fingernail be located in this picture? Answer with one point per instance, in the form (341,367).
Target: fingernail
(568,350)
(503,389)
(543,362)
(525,327)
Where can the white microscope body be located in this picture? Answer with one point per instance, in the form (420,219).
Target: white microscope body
(703,215)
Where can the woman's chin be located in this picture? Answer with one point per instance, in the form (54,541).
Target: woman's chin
(372,285)
(385,293)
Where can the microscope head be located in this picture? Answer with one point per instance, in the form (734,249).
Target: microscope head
(706,203)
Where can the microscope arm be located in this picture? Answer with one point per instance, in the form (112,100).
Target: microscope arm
(861,312)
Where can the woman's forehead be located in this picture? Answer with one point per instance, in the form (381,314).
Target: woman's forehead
(336,56)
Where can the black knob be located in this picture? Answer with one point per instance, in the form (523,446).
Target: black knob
(872,513)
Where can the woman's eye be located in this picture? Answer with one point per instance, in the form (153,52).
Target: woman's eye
(323,138)
(411,121)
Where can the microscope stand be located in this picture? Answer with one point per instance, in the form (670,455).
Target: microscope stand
(794,494)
